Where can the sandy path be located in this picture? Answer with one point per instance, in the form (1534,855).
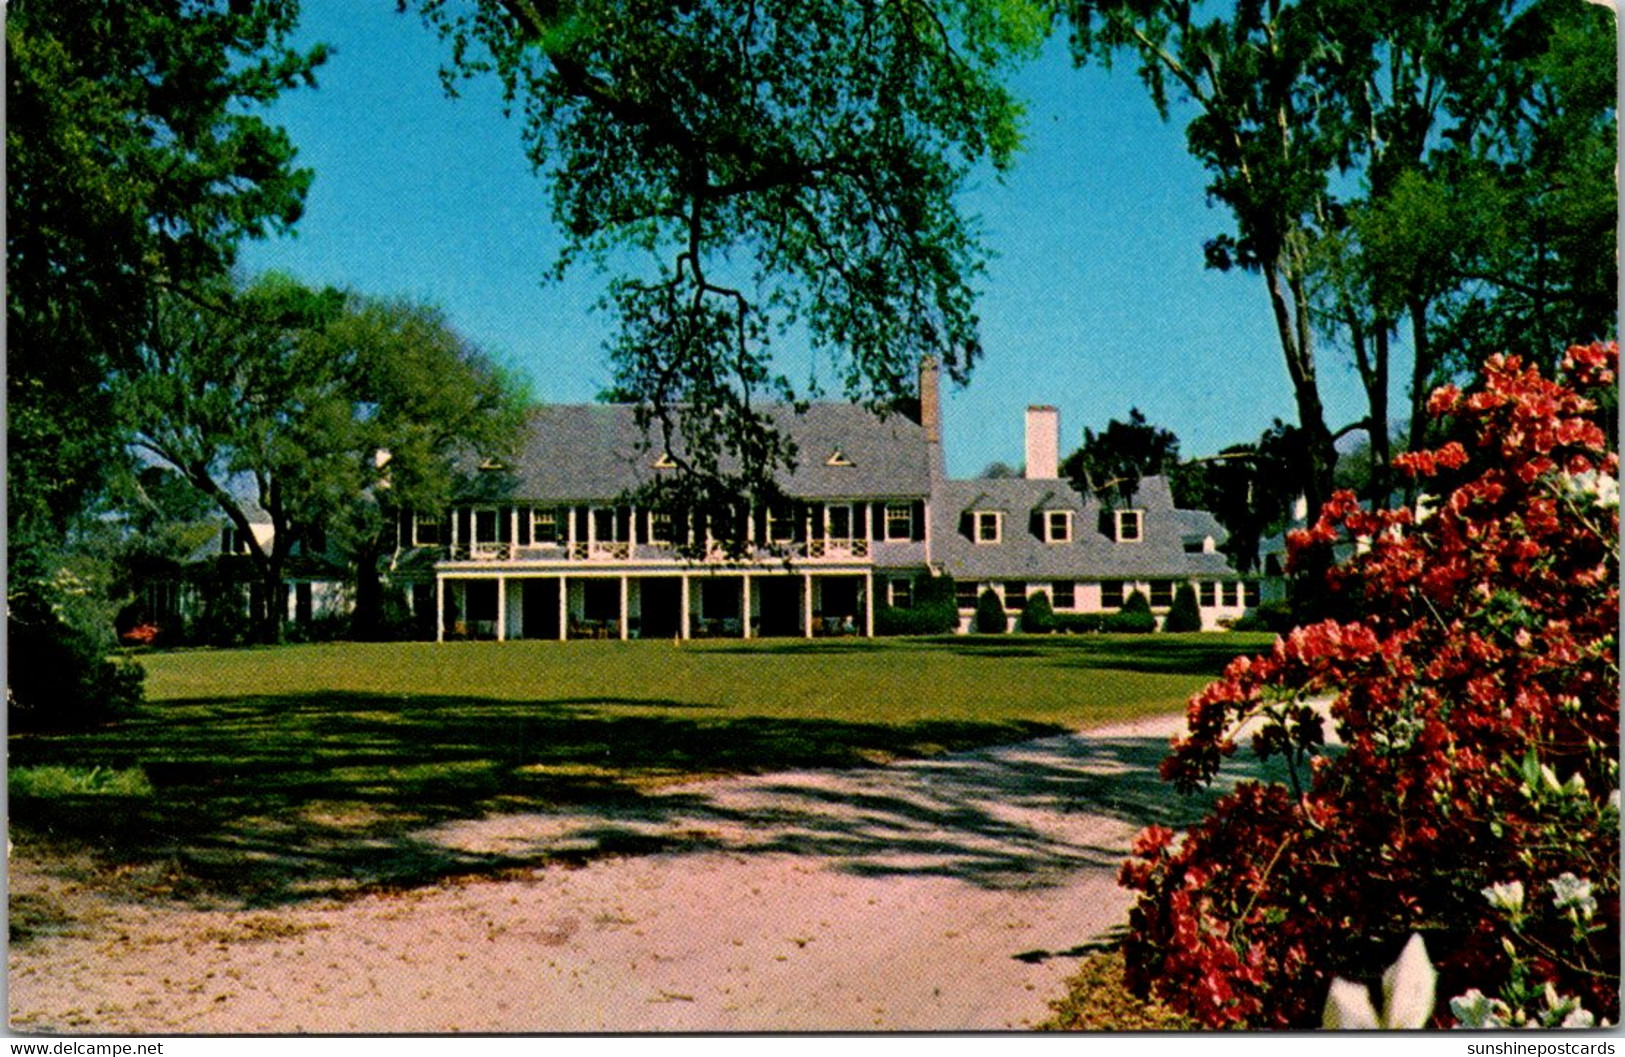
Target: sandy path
(896,898)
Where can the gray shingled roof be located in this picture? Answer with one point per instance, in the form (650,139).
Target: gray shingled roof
(596,452)
(1020,555)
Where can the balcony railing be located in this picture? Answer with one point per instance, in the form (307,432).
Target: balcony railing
(828,549)
(837,548)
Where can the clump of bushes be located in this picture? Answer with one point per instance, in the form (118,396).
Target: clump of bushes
(1184,615)
(1273,617)
(64,670)
(935,610)
(990,619)
(1037,615)
(1476,693)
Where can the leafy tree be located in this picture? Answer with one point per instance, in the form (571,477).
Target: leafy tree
(135,161)
(1442,167)
(990,618)
(1185,614)
(741,168)
(1111,463)
(1250,488)
(324,411)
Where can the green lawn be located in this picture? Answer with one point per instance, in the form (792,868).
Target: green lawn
(264,774)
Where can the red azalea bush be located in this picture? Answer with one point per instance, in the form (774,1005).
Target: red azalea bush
(1477,697)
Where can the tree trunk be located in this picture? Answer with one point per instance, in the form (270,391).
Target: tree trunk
(1292,326)
(367,621)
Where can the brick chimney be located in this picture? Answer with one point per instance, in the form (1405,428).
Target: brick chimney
(931,416)
(1043,443)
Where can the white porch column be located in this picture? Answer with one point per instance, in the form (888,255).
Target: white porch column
(684,607)
(564,608)
(513,531)
(624,617)
(439,608)
(570,525)
(806,605)
(502,609)
(744,593)
(869,605)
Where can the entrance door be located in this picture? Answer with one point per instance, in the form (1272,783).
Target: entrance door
(540,608)
(780,601)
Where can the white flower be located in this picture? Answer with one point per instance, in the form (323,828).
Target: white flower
(1348,1008)
(1478,1011)
(1407,996)
(1508,897)
(1570,891)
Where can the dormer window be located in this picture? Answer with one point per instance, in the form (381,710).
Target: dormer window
(492,463)
(544,526)
(1057,526)
(986,525)
(1130,526)
(837,458)
(425,530)
(665,462)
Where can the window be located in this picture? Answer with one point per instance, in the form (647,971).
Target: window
(899,521)
(425,530)
(1015,594)
(660,530)
(1129,526)
(1232,593)
(1111,594)
(781,523)
(1195,545)
(1162,593)
(1207,593)
(485,526)
(987,526)
(544,526)
(900,593)
(1251,593)
(1058,526)
(1063,594)
(837,458)
(965,594)
(665,462)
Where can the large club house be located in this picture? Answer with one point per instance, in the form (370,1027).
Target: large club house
(557,554)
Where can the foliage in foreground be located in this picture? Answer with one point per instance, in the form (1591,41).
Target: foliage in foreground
(1097,999)
(1478,699)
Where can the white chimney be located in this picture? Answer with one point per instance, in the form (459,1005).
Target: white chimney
(1043,443)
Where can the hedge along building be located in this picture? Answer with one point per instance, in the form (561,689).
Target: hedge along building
(548,547)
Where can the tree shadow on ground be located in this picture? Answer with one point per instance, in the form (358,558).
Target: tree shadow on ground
(265,800)
(1154,654)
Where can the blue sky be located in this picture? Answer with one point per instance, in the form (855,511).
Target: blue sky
(1096,301)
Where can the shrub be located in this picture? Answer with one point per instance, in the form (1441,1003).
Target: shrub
(62,669)
(1184,614)
(1477,697)
(1078,623)
(1136,602)
(1037,615)
(1125,622)
(990,618)
(1273,617)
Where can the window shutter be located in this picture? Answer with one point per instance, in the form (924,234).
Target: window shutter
(403,527)
(918,535)
(581,523)
(640,525)
(877,520)
(465,526)
(504,524)
(525,518)
(817,512)
(623,523)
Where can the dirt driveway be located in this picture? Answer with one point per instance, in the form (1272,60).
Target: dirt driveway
(947,894)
